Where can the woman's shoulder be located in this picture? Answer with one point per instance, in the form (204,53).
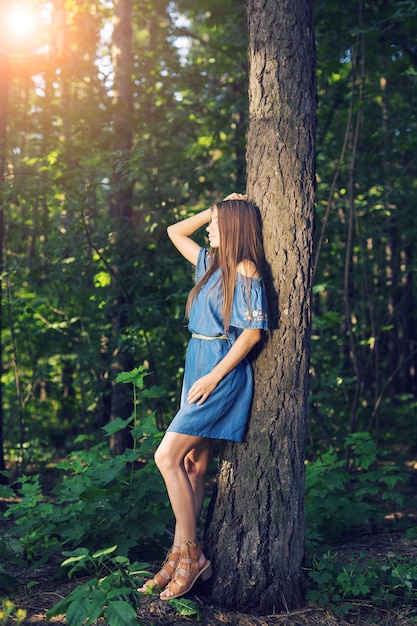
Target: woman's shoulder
(248,269)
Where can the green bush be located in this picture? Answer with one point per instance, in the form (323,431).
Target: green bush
(340,586)
(346,492)
(99,496)
(111,594)
(343,495)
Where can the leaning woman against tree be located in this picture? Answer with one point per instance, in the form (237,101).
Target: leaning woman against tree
(227,313)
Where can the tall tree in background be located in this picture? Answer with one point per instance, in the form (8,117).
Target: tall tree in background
(121,199)
(4,80)
(256,529)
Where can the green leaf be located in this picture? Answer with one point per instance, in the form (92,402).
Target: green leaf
(135,376)
(104,552)
(102,279)
(96,605)
(186,607)
(116,425)
(6,492)
(145,427)
(120,613)
(60,608)
(153,392)
(74,559)
(78,609)
(119,592)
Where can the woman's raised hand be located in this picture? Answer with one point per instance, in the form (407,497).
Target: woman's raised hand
(236,196)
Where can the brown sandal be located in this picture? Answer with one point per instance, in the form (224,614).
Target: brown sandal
(165,574)
(187,572)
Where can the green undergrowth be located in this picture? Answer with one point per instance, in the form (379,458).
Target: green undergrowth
(98,495)
(111,594)
(105,508)
(342,586)
(350,491)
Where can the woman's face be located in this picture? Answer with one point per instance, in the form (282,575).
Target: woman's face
(213,229)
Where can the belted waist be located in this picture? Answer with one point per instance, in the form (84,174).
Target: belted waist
(197,336)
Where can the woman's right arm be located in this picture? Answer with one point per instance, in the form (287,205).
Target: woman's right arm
(180,234)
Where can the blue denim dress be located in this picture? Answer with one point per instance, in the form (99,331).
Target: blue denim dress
(225,412)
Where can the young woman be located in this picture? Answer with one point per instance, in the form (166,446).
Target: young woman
(226,313)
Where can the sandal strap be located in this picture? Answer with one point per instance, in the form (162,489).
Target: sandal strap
(167,571)
(190,553)
(168,567)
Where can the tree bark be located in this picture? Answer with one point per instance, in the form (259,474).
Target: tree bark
(121,209)
(255,533)
(4,96)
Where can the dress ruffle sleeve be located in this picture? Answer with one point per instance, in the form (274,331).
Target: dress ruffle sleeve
(249,304)
(249,308)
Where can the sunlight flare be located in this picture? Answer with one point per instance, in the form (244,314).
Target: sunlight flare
(21,20)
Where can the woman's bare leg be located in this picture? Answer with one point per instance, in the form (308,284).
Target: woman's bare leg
(182,461)
(195,464)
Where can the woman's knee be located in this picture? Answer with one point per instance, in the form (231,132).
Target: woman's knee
(162,459)
(167,458)
(179,451)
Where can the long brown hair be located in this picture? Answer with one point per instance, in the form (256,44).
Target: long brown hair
(240,231)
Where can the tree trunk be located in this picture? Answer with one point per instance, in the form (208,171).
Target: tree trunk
(255,534)
(121,208)
(4,97)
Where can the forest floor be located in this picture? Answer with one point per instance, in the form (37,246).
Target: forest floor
(41,589)
(47,591)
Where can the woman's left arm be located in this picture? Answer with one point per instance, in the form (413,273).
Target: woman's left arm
(203,387)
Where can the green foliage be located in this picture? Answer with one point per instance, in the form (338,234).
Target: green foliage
(10,554)
(94,498)
(10,549)
(111,594)
(339,585)
(411,533)
(186,608)
(347,492)
(361,377)
(67,282)
(97,493)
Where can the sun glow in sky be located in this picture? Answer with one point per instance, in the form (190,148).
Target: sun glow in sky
(24,27)
(21,20)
